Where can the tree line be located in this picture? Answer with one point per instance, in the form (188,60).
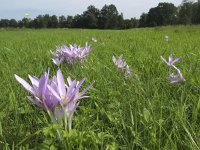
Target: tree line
(109,18)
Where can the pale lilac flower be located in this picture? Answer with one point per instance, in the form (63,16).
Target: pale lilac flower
(176,78)
(128,71)
(81,53)
(71,54)
(41,90)
(94,39)
(119,62)
(70,95)
(57,61)
(123,66)
(58,57)
(171,61)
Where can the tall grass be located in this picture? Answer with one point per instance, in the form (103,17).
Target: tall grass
(143,113)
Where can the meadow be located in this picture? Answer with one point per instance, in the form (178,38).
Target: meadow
(146,112)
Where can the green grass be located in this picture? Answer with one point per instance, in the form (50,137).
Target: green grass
(148,113)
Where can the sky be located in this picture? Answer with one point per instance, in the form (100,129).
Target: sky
(130,8)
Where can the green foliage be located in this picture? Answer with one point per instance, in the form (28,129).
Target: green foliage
(146,112)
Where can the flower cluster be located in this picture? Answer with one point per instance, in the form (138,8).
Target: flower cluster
(60,100)
(122,65)
(71,54)
(173,78)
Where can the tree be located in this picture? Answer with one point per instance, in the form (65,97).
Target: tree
(78,21)
(195,13)
(62,22)
(143,20)
(13,23)
(20,24)
(70,21)
(4,23)
(38,22)
(90,17)
(26,22)
(47,21)
(185,12)
(163,14)
(198,12)
(120,21)
(131,23)
(54,21)
(108,18)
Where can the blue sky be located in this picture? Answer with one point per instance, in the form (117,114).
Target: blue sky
(17,8)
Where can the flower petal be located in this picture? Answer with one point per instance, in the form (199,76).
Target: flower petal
(84,91)
(25,84)
(38,103)
(80,83)
(114,59)
(170,59)
(34,81)
(71,88)
(61,84)
(164,60)
(176,60)
(42,85)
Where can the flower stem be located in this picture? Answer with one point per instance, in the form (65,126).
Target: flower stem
(70,124)
(66,120)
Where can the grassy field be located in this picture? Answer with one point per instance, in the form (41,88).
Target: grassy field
(148,113)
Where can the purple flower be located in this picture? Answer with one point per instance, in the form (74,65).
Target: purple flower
(49,95)
(123,66)
(176,78)
(58,57)
(57,61)
(71,54)
(128,71)
(70,95)
(171,61)
(42,95)
(119,62)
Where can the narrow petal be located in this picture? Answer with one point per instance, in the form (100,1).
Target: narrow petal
(180,75)
(61,84)
(38,103)
(54,83)
(81,82)
(71,87)
(114,59)
(176,60)
(34,81)
(164,60)
(82,93)
(170,59)
(54,93)
(25,84)
(56,61)
(42,85)
(69,80)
